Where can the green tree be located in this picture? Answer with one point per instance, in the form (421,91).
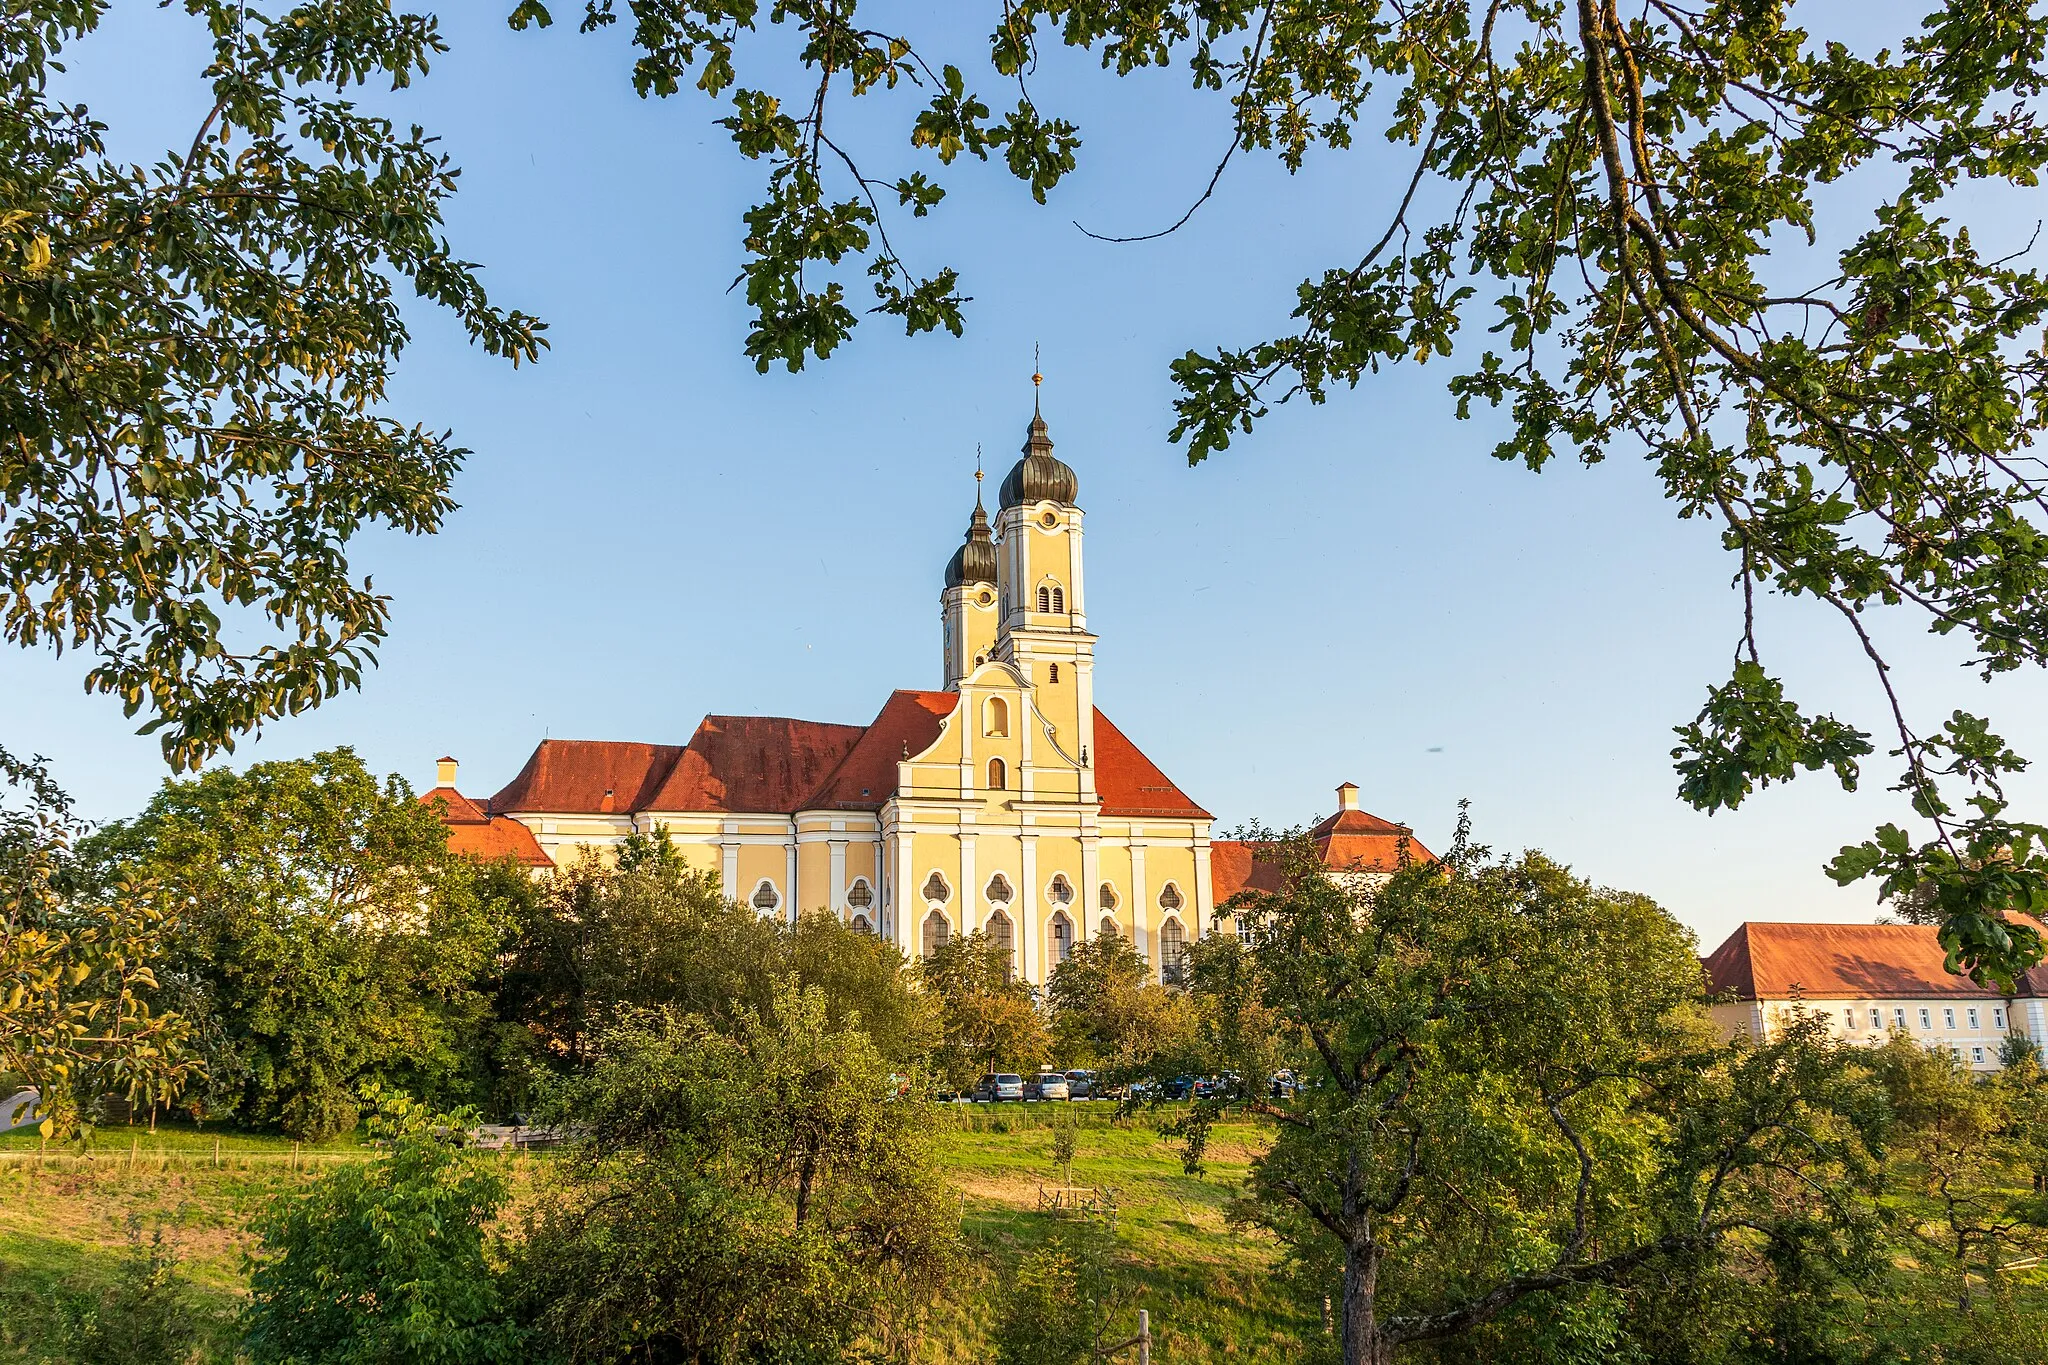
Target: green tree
(79,996)
(757,1193)
(1514,1094)
(1064,1300)
(1105,1010)
(387,1262)
(596,941)
(196,357)
(986,1018)
(327,936)
(1612,199)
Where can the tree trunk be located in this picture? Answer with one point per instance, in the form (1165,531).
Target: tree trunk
(1364,1342)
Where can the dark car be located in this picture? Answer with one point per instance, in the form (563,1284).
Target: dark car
(1283,1085)
(998,1086)
(1179,1088)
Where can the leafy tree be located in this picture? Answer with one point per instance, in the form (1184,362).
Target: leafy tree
(328,936)
(390,1261)
(1613,198)
(1514,1094)
(147,1316)
(1107,1012)
(596,941)
(196,356)
(1065,1298)
(78,986)
(987,1019)
(758,1193)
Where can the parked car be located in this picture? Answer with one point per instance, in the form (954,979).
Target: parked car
(1081,1085)
(1179,1088)
(1207,1087)
(1047,1085)
(998,1086)
(1283,1085)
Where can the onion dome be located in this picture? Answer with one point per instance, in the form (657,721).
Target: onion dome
(975,560)
(1039,477)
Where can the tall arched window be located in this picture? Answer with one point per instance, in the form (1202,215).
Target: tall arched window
(1173,952)
(936,931)
(996,718)
(1059,598)
(998,775)
(1062,930)
(1044,598)
(999,933)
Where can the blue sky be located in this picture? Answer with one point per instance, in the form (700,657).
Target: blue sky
(651,531)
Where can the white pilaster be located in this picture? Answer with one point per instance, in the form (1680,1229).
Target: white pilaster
(1027,901)
(1141,907)
(839,877)
(1089,894)
(969,894)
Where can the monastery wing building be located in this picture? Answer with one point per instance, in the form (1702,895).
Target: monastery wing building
(1003,802)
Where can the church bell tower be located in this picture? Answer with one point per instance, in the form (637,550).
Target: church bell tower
(968,607)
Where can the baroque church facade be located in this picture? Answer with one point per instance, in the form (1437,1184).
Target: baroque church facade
(1002,802)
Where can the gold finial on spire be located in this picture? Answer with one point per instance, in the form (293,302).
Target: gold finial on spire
(977,473)
(1036,379)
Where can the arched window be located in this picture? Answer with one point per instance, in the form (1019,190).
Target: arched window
(1052,673)
(998,890)
(860,923)
(860,895)
(1059,890)
(999,934)
(765,897)
(1044,598)
(937,929)
(1169,898)
(998,775)
(936,891)
(1062,930)
(1173,952)
(1059,599)
(1106,897)
(996,718)
(1109,929)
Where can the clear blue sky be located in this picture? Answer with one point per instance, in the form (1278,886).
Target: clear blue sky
(651,531)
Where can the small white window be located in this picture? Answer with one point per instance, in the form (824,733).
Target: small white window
(1247,934)
(1848,1019)
(1948,1020)
(765,897)
(1898,1018)
(936,890)
(1977,1055)
(1926,1019)
(860,895)
(1973,1019)
(1998,1018)
(1876,1017)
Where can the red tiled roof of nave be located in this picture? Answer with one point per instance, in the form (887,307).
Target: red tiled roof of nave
(1235,865)
(866,778)
(1844,961)
(753,763)
(588,776)
(1128,783)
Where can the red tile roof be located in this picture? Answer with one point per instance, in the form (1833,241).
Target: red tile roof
(771,764)
(1129,784)
(1234,866)
(586,776)
(753,763)
(1844,961)
(474,834)
(1355,841)
(907,723)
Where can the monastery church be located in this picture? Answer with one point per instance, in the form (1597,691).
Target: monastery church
(1003,801)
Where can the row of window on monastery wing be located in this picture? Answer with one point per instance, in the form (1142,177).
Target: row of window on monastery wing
(1972,1014)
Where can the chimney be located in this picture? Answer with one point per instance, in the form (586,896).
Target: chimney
(444,772)
(1347,796)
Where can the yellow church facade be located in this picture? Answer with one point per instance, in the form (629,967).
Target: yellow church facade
(1002,801)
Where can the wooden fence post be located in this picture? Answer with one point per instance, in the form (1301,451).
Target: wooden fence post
(216,1154)
(1144,1337)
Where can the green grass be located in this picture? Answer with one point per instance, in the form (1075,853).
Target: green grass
(67,1212)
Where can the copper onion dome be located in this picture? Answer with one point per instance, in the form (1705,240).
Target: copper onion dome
(1039,477)
(975,560)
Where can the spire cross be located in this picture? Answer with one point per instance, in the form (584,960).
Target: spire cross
(1036,379)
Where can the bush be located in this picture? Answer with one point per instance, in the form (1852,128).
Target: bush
(388,1261)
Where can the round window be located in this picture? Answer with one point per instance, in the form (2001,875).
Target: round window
(1050,519)
(986,597)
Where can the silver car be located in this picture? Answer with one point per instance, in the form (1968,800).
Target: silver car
(1080,1085)
(1050,1085)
